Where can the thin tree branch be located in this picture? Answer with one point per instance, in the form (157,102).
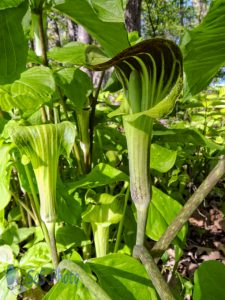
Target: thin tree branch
(188,209)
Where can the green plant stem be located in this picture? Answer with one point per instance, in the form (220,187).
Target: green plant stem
(56,115)
(27,205)
(188,209)
(88,282)
(29,212)
(75,147)
(101,239)
(36,214)
(36,207)
(62,103)
(51,233)
(142,213)
(16,197)
(44,49)
(44,115)
(154,274)
(86,248)
(120,228)
(78,158)
(31,184)
(42,38)
(138,136)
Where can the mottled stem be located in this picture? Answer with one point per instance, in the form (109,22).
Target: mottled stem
(154,274)
(188,209)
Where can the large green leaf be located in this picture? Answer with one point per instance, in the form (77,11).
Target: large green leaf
(79,54)
(68,236)
(203,48)
(209,281)
(68,288)
(13,46)
(35,87)
(43,144)
(69,207)
(184,136)
(92,16)
(5,292)
(5,174)
(109,11)
(36,257)
(76,85)
(162,210)
(161,158)
(102,174)
(123,277)
(4,4)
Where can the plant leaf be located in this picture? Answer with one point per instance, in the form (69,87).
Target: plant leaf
(36,257)
(184,136)
(13,46)
(35,87)
(102,174)
(162,210)
(5,174)
(68,288)
(69,208)
(68,236)
(203,49)
(109,11)
(76,85)
(5,292)
(123,277)
(4,4)
(79,54)
(209,281)
(161,158)
(91,15)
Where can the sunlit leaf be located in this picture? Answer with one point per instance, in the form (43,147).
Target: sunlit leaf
(79,54)
(203,49)
(123,277)
(5,174)
(161,158)
(76,85)
(100,175)
(162,210)
(209,281)
(35,87)
(92,16)
(13,46)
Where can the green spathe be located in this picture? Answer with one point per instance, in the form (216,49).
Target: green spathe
(43,144)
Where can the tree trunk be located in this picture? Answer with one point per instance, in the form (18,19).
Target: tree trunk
(133,16)
(182,12)
(72,30)
(82,35)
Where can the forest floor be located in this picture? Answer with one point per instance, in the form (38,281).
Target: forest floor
(205,241)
